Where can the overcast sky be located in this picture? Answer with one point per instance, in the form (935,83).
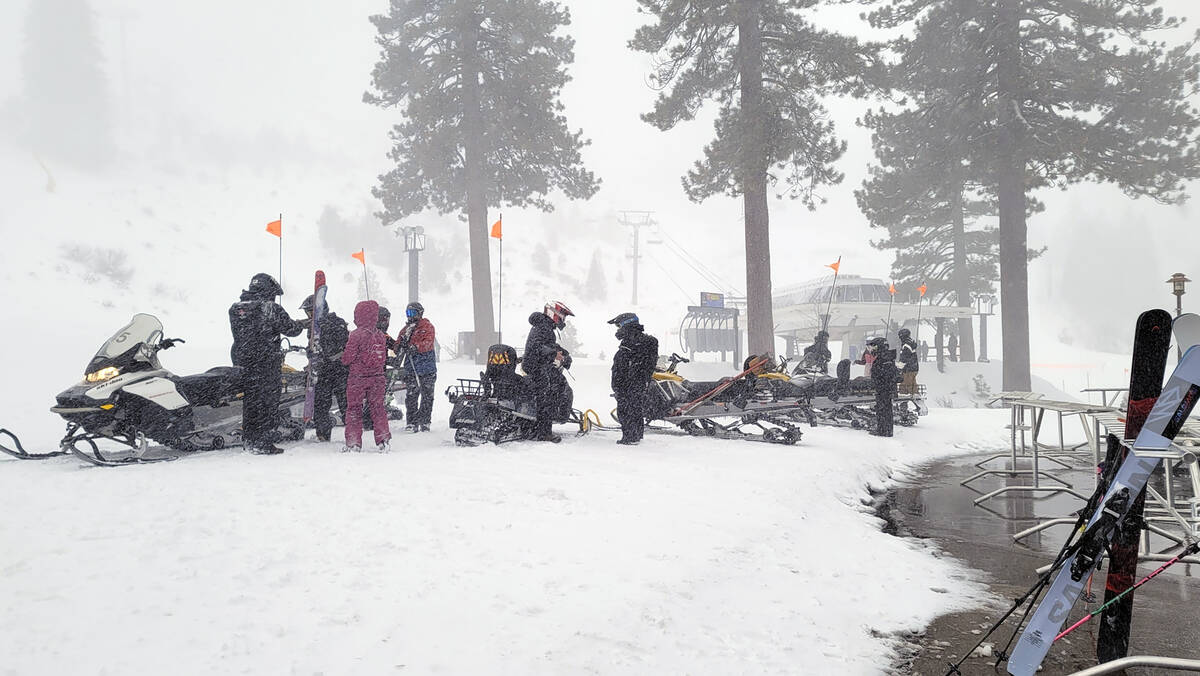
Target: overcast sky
(296,70)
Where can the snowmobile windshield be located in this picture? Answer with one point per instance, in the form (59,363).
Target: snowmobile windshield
(130,345)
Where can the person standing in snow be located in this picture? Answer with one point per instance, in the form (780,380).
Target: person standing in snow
(868,357)
(952,346)
(385,322)
(817,356)
(366,355)
(331,373)
(633,365)
(416,342)
(257,323)
(543,360)
(908,357)
(883,377)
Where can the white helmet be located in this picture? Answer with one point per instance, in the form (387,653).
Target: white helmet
(558,312)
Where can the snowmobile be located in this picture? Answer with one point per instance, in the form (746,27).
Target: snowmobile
(747,406)
(843,401)
(127,397)
(500,406)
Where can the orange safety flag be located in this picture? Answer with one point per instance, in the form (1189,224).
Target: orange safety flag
(892,289)
(836,265)
(496,228)
(275,228)
(922,290)
(361,256)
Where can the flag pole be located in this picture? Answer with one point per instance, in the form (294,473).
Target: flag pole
(920,303)
(281,254)
(887,330)
(366,279)
(836,270)
(500,316)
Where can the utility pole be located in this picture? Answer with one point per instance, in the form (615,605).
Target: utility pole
(636,220)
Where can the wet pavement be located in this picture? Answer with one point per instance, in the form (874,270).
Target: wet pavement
(1166,619)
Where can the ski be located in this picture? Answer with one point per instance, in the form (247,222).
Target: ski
(1112,639)
(314,346)
(1162,423)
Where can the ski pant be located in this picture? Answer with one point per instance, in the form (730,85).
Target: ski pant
(883,412)
(545,401)
(419,399)
(631,413)
(371,389)
(260,403)
(909,384)
(331,384)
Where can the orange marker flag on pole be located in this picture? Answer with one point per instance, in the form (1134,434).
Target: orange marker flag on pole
(835,265)
(497,227)
(361,256)
(276,228)
(922,290)
(892,289)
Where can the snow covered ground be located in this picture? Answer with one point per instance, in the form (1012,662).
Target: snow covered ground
(680,556)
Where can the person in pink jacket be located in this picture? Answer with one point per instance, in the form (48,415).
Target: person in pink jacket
(366,355)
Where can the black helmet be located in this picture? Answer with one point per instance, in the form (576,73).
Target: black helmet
(904,333)
(624,318)
(264,285)
(309,303)
(821,335)
(414,311)
(385,319)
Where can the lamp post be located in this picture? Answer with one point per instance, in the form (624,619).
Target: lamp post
(983,307)
(414,244)
(1178,281)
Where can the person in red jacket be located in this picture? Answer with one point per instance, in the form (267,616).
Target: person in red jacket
(366,355)
(416,346)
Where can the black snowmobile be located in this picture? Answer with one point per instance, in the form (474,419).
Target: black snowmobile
(500,406)
(127,397)
(747,406)
(850,402)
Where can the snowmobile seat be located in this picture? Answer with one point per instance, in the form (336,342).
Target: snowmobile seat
(211,387)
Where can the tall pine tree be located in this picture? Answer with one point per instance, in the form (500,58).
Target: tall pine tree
(66,108)
(478,86)
(767,67)
(1070,91)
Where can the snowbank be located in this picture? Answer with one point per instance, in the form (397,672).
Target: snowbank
(680,555)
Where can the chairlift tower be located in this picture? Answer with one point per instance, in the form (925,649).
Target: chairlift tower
(636,220)
(414,244)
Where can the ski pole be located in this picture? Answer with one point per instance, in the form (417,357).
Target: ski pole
(1190,549)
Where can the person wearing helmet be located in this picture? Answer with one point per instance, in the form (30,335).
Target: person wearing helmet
(416,344)
(257,323)
(817,356)
(869,355)
(543,359)
(908,357)
(633,365)
(331,374)
(884,377)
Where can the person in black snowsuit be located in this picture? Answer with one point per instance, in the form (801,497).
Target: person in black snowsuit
(633,365)
(257,322)
(817,356)
(908,357)
(884,377)
(543,359)
(331,374)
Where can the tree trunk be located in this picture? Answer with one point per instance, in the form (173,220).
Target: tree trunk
(1010,192)
(476,187)
(760,322)
(962,280)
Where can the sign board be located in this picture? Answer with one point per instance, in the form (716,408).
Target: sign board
(710,299)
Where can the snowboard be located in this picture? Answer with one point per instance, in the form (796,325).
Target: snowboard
(1112,639)
(1164,420)
(314,346)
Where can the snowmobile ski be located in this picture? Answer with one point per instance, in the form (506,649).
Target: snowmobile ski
(1168,415)
(18,451)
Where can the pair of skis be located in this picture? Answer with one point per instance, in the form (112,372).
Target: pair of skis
(314,346)
(1153,420)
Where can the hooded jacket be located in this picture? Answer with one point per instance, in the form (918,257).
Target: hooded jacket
(257,322)
(634,362)
(419,338)
(541,345)
(366,348)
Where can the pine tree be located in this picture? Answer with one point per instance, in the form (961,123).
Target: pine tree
(1070,91)
(767,67)
(478,86)
(66,107)
(595,287)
